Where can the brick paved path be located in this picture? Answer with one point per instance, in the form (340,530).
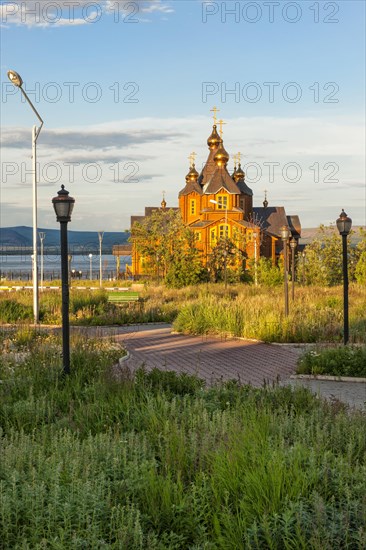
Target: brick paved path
(209,358)
(214,359)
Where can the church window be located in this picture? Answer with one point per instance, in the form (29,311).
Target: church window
(198,235)
(223,231)
(213,237)
(192,208)
(222,202)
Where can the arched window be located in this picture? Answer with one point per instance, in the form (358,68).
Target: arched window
(192,207)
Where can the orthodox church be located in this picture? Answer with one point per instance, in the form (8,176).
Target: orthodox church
(218,207)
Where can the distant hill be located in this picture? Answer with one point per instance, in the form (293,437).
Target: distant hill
(22,237)
(308,234)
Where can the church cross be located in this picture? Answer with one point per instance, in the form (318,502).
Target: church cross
(238,156)
(215,110)
(192,158)
(222,123)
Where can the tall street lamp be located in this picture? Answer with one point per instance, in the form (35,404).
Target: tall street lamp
(226,236)
(91,266)
(100,235)
(293,245)
(16,79)
(63,205)
(42,236)
(285,233)
(344,224)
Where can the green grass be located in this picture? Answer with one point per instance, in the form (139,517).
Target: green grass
(245,311)
(316,315)
(160,462)
(342,361)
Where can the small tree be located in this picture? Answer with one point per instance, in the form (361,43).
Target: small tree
(359,259)
(185,265)
(360,271)
(168,248)
(226,255)
(323,264)
(269,274)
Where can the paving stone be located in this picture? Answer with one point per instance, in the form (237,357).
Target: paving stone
(210,358)
(215,358)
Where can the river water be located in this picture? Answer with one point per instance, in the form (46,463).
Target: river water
(20,267)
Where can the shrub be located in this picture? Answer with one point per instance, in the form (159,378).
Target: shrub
(12,311)
(269,274)
(342,361)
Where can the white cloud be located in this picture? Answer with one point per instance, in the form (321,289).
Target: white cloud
(34,13)
(146,6)
(151,155)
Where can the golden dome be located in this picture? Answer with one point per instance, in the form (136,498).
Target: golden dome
(192,174)
(214,139)
(222,156)
(239,174)
(163,204)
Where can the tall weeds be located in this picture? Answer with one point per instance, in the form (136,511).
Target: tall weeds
(316,315)
(158,462)
(241,310)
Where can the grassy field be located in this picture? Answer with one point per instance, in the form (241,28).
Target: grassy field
(246,311)
(316,315)
(159,462)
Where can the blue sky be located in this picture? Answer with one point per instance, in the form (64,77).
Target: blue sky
(126,102)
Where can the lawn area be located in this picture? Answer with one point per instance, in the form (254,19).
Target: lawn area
(160,462)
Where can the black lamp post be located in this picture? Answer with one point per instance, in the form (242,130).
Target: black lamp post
(285,233)
(344,224)
(225,265)
(293,245)
(63,205)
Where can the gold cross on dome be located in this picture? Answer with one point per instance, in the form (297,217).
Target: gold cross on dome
(238,156)
(215,110)
(222,123)
(235,159)
(163,195)
(192,158)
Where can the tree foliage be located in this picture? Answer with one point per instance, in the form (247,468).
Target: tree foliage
(360,270)
(269,274)
(323,258)
(227,260)
(323,264)
(168,248)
